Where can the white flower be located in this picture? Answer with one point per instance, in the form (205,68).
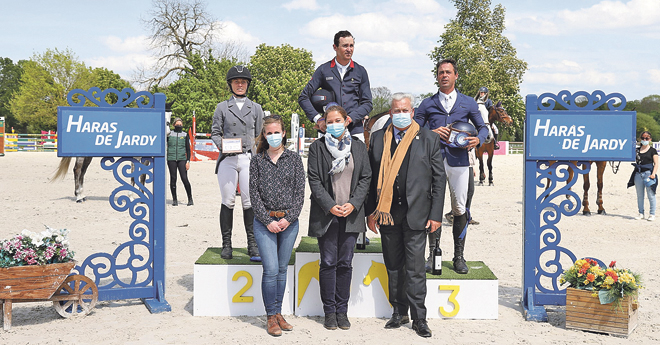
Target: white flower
(59,238)
(26,233)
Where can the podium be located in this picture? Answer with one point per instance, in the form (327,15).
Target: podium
(233,287)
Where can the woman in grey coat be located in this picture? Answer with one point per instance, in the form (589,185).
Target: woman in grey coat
(339,176)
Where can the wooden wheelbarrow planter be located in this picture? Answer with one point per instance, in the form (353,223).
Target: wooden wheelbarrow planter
(72,295)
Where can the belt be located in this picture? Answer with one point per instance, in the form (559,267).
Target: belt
(277,214)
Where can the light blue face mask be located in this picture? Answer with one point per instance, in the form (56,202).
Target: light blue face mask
(335,129)
(274,140)
(645,142)
(401,120)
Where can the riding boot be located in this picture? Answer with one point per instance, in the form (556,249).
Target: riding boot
(226,224)
(175,202)
(432,236)
(459,231)
(496,145)
(248,220)
(190,198)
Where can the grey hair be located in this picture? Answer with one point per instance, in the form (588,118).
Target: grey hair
(401,95)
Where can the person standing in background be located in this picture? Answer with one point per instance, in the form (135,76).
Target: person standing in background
(178,157)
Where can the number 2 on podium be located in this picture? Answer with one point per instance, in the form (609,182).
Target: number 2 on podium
(452,299)
(238,297)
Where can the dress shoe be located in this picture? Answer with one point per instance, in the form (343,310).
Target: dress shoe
(285,326)
(397,320)
(421,328)
(190,202)
(330,321)
(273,327)
(175,203)
(342,321)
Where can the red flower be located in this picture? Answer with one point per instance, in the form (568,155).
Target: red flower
(612,264)
(583,270)
(591,277)
(613,275)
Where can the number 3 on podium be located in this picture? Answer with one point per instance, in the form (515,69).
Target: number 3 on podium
(238,297)
(452,299)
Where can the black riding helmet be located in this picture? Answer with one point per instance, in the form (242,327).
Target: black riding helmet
(238,71)
(321,98)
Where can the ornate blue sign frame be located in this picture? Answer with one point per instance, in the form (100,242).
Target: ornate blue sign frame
(542,249)
(136,268)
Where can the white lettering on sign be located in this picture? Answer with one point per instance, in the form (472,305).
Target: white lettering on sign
(134,140)
(558,131)
(90,127)
(572,140)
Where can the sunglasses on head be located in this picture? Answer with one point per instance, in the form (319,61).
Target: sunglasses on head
(274,117)
(646,138)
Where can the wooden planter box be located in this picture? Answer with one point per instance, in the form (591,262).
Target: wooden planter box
(584,312)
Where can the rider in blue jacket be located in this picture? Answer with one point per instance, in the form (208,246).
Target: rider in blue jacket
(439,111)
(347,80)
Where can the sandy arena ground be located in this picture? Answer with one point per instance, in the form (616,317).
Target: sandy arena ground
(28,201)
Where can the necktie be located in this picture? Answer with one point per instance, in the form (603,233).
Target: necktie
(399,136)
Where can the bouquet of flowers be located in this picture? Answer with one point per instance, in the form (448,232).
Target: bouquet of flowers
(30,248)
(609,284)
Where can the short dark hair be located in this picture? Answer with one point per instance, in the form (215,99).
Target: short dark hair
(444,61)
(341,34)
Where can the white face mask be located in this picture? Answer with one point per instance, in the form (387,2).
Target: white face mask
(401,120)
(274,140)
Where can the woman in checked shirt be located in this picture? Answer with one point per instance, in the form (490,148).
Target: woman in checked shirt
(277,189)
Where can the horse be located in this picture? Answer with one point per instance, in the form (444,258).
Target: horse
(80,167)
(374,123)
(586,184)
(495,113)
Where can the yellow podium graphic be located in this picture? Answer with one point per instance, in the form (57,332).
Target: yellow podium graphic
(305,274)
(377,270)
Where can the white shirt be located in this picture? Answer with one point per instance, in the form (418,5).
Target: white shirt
(447,101)
(342,68)
(240,102)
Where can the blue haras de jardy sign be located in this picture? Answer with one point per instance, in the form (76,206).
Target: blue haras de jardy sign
(97,132)
(588,135)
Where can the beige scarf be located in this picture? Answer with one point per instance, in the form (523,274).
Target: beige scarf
(389,168)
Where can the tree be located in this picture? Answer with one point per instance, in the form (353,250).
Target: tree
(179,30)
(10,76)
(278,76)
(380,98)
(646,123)
(199,90)
(46,80)
(484,57)
(105,79)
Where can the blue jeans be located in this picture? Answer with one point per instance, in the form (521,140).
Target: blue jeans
(640,187)
(275,250)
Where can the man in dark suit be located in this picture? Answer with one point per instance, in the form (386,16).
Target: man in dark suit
(437,112)
(406,197)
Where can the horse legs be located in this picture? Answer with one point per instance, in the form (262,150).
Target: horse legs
(490,168)
(79,170)
(585,198)
(599,201)
(482,173)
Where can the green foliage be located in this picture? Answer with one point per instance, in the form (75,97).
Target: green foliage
(45,82)
(484,57)
(106,79)
(10,76)
(380,98)
(279,75)
(646,123)
(200,89)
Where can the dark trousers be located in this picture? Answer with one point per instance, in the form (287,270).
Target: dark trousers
(403,252)
(336,248)
(181,166)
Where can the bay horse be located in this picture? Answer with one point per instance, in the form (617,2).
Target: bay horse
(495,113)
(586,184)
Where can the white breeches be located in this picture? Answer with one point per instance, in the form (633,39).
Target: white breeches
(235,170)
(458,179)
(495,130)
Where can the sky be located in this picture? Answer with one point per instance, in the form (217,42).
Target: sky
(575,45)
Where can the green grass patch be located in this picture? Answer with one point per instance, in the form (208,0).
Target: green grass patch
(311,245)
(478,271)
(212,257)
